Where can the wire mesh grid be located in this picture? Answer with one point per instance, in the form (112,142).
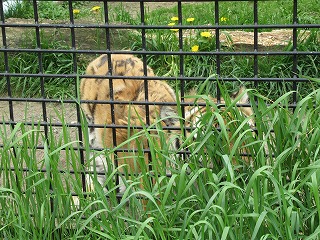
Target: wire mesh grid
(104,31)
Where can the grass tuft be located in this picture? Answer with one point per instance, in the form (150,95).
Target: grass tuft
(235,183)
(213,193)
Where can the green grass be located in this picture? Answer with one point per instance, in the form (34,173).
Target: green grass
(54,63)
(219,197)
(236,13)
(222,197)
(47,10)
(240,13)
(280,67)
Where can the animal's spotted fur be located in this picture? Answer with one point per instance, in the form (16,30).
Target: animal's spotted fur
(195,112)
(131,90)
(126,90)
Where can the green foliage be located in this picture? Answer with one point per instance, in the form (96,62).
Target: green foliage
(34,63)
(21,9)
(231,13)
(234,66)
(46,9)
(214,193)
(28,63)
(120,14)
(240,12)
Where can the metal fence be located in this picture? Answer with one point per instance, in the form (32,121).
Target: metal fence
(14,33)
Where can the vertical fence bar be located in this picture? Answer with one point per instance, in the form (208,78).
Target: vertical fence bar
(40,62)
(181,60)
(181,66)
(294,49)
(7,79)
(78,111)
(180,39)
(218,63)
(110,73)
(107,29)
(144,60)
(6,65)
(145,72)
(113,120)
(42,87)
(255,42)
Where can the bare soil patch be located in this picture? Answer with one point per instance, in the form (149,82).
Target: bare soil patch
(89,38)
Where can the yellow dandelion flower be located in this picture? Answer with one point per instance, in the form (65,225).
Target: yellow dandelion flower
(95,9)
(205,34)
(174,19)
(195,48)
(172,24)
(76,11)
(190,19)
(223,19)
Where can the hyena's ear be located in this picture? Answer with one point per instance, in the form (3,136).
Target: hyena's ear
(91,70)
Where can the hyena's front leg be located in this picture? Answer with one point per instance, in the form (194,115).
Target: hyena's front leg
(98,164)
(101,163)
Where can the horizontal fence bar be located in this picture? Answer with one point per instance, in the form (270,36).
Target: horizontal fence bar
(143,103)
(247,79)
(174,53)
(189,1)
(164,27)
(114,150)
